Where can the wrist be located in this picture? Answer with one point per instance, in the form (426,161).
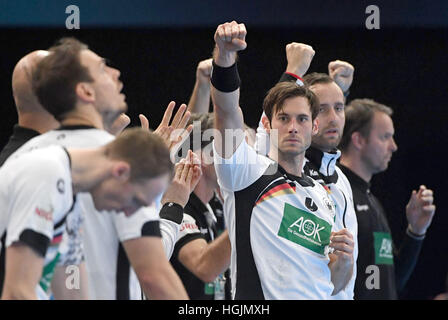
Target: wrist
(202,83)
(289,76)
(224,58)
(416,234)
(295,71)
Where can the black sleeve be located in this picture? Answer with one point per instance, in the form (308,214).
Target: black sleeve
(36,241)
(406,259)
(151,229)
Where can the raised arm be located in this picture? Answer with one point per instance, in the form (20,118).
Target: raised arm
(229,39)
(342,73)
(200,97)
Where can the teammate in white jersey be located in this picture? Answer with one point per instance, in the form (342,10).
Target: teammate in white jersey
(118,176)
(96,102)
(321,157)
(281,227)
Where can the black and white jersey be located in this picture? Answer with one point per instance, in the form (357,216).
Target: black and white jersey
(279,227)
(321,166)
(35,197)
(110,275)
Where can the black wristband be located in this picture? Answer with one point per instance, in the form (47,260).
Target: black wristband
(225,79)
(173,212)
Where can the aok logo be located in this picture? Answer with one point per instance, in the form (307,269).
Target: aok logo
(308,227)
(305,229)
(386,248)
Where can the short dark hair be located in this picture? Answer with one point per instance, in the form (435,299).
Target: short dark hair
(146,153)
(276,96)
(56,76)
(358,118)
(314,78)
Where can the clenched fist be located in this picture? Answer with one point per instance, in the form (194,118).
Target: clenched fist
(342,73)
(230,37)
(299,57)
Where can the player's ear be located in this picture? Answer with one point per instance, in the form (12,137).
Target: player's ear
(121,170)
(358,140)
(315,126)
(85,92)
(266,124)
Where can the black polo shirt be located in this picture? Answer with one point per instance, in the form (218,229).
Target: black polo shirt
(376,246)
(18,138)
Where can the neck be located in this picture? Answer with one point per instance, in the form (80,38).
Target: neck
(322,148)
(293,164)
(204,190)
(83,115)
(37,122)
(89,168)
(356,165)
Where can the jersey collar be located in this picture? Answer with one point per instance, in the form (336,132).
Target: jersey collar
(356,181)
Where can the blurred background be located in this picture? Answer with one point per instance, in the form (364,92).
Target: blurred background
(157,45)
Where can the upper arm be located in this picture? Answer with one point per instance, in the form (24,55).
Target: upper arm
(242,169)
(190,254)
(146,255)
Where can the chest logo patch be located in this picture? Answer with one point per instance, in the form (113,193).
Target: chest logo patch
(383,248)
(305,229)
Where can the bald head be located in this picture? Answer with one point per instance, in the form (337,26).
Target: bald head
(26,101)
(31,113)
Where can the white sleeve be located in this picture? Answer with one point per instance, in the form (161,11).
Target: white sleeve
(144,222)
(170,231)
(37,202)
(262,138)
(242,169)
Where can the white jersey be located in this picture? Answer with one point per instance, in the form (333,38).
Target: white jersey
(321,166)
(279,227)
(35,197)
(110,275)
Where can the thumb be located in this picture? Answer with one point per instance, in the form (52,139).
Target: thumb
(144,121)
(240,43)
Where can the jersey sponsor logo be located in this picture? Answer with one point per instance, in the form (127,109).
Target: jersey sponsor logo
(60,185)
(362,207)
(47,215)
(310,204)
(383,248)
(189,227)
(305,229)
(313,173)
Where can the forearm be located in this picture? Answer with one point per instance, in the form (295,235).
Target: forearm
(405,260)
(18,293)
(215,259)
(163,284)
(65,289)
(340,273)
(200,98)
